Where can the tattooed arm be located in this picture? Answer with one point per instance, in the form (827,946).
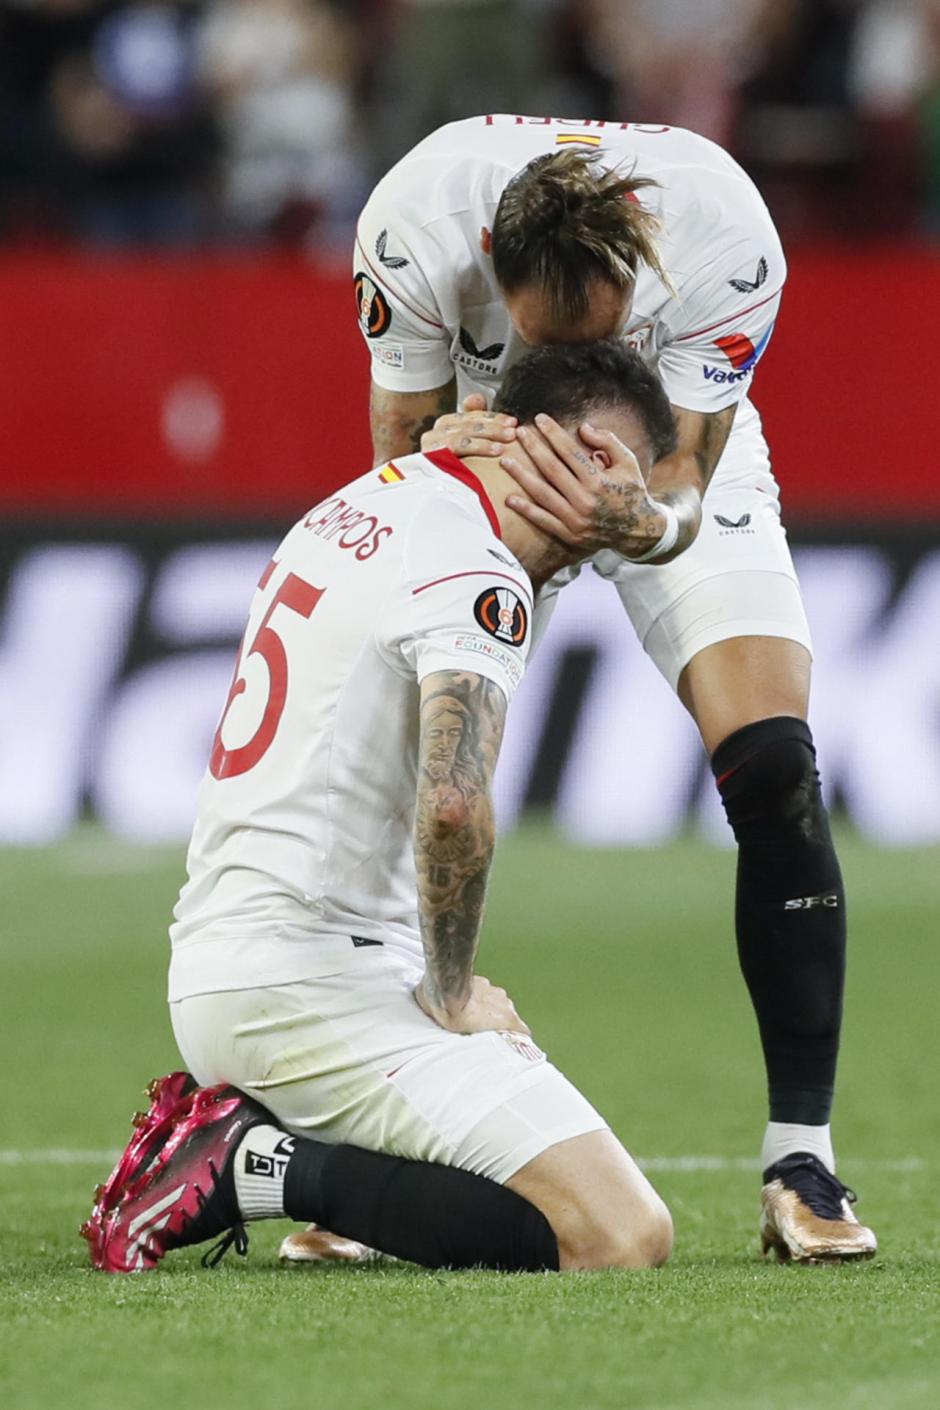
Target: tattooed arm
(682,478)
(399,419)
(462,717)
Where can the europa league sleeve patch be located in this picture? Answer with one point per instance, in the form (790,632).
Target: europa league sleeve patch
(502,614)
(375,316)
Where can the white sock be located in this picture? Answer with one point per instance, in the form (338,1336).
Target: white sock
(787,1137)
(260,1163)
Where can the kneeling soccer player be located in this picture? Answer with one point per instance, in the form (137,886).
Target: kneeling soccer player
(357,1072)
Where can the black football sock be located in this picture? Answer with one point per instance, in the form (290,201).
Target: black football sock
(790,912)
(430,1214)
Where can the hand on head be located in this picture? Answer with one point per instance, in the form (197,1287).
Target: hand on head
(574,482)
(471,431)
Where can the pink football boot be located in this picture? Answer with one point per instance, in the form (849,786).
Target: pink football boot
(173,1185)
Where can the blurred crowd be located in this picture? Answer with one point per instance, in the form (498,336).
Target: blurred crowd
(176,122)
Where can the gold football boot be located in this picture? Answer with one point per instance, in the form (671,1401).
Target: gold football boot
(316,1245)
(807,1215)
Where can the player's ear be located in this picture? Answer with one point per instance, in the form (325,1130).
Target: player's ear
(486,240)
(598,457)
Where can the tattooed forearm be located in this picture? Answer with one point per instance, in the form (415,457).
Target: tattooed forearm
(453,941)
(681,479)
(636,527)
(712,439)
(702,437)
(462,719)
(400,419)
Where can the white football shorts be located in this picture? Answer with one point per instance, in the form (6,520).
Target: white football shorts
(351,1058)
(737,578)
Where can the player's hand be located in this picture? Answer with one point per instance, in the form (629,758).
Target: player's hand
(471,431)
(487,1010)
(586,490)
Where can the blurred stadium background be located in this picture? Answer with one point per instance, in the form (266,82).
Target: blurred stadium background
(181,374)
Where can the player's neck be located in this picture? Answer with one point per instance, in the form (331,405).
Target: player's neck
(540,555)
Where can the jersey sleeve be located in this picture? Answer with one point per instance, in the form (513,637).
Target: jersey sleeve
(463,608)
(724,321)
(398,314)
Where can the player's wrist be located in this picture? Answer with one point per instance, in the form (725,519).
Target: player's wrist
(442,1005)
(667,539)
(453,1006)
(685,502)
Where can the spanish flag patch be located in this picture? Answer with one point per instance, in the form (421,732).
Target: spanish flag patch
(390,475)
(582,139)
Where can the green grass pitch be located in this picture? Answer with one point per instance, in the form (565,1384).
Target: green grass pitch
(624,965)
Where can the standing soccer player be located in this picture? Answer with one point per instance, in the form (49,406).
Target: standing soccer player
(505,231)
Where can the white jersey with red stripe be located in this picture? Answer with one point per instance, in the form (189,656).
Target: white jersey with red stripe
(429,305)
(304,817)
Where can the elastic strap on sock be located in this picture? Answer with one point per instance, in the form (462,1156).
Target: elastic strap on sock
(259,1170)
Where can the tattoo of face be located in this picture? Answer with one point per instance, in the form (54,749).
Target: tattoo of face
(462,719)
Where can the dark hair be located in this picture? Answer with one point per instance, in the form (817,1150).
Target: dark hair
(570,381)
(563,222)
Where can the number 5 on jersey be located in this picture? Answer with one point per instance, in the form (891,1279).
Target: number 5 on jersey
(299,597)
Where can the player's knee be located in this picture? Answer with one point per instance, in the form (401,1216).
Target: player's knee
(647,1243)
(641,1239)
(766,775)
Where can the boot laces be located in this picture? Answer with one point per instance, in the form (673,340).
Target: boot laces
(236,1236)
(816,1186)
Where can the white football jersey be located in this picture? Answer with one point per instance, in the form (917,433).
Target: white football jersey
(304,817)
(429,304)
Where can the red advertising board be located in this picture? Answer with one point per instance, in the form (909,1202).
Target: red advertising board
(221,387)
